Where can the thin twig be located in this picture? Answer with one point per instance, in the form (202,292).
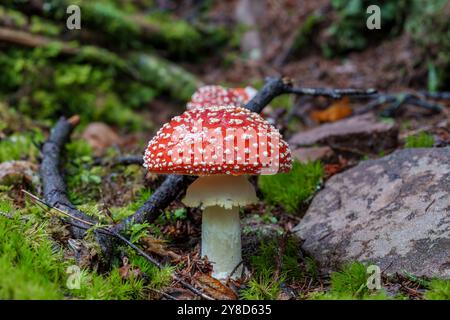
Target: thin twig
(436,95)
(121,160)
(331,93)
(57,209)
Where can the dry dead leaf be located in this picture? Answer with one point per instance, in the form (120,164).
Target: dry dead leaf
(332,169)
(338,110)
(215,288)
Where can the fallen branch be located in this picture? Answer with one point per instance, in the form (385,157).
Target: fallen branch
(121,160)
(331,93)
(86,225)
(54,187)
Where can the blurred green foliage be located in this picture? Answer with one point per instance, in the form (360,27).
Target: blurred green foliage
(429,27)
(83,180)
(42,87)
(265,261)
(439,289)
(103,83)
(350,283)
(265,283)
(20,147)
(349,32)
(32,266)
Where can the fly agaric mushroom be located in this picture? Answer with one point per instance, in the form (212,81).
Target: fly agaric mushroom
(221,145)
(213,95)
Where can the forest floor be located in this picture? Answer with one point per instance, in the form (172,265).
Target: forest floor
(278,267)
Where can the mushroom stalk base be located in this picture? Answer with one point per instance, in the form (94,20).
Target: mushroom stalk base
(221,240)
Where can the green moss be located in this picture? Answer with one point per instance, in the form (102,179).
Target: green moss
(110,287)
(158,278)
(438,290)
(44,27)
(264,287)
(420,140)
(283,101)
(20,147)
(352,279)
(95,92)
(177,35)
(164,76)
(83,180)
(31,267)
(28,268)
(170,216)
(347,296)
(265,261)
(350,283)
(293,188)
(159,29)
(17,18)
(138,230)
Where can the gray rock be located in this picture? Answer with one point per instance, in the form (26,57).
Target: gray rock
(393,211)
(312,154)
(360,134)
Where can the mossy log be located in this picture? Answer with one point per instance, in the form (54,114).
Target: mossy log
(162,31)
(146,68)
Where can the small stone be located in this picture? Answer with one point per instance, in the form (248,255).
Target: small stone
(312,154)
(18,172)
(100,136)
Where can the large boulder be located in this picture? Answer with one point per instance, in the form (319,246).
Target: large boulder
(393,211)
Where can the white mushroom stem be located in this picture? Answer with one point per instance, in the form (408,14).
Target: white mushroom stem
(221,240)
(221,196)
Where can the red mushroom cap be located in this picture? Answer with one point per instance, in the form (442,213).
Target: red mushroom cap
(218,140)
(213,95)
